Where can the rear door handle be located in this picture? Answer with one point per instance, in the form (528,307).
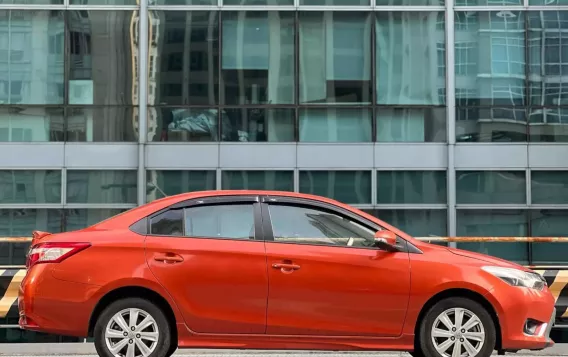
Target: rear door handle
(285,266)
(168,258)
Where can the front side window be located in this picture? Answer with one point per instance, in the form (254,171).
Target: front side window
(292,224)
(233,221)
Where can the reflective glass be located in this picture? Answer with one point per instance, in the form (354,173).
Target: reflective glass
(258,180)
(258,2)
(548,125)
(334,2)
(258,57)
(184,59)
(82,218)
(105,2)
(102,124)
(183,2)
(490,58)
(31,56)
(186,124)
(410,56)
(335,57)
(16,335)
(548,57)
(101,186)
(30,186)
(416,222)
(411,187)
(411,125)
(549,187)
(549,223)
(12,253)
(168,223)
(329,125)
(22,221)
(31,124)
(475,124)
(410,2)
(491,187)
(352,187)
(233,221)
(162,183)
(260,125)
(101,57)
(495,223)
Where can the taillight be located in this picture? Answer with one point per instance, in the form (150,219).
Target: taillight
(53,252)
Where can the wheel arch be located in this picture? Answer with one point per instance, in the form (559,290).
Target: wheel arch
(138,292)
(464,293)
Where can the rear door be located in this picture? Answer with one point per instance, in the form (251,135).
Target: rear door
(210,256)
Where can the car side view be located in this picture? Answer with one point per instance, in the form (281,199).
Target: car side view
(275,270)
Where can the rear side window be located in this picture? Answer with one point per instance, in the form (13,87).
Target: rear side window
(232,221)
(168,223)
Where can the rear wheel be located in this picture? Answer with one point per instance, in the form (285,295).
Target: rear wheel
(132,327)
(457,327)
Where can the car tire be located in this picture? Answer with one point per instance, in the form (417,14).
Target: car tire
(437,329)
(148,335)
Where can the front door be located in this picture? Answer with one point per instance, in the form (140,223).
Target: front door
(210,257)
(327,278)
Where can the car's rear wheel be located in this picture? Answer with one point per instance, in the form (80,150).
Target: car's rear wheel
(457,327)
(132,327)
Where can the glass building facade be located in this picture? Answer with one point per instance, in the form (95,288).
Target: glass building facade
(441,117)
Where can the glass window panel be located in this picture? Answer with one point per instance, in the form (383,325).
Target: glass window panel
(102,124)
(16,335)
(30,186)
(258,180)
(335,57)
(101,186)
(491,124)
(186,124)
(79,218)
(234,221)
(490,187)
(33,68)
(12,253)
(416,222)
(411,187)
(407,57)
(411,125)
(31,124)
(328,125)
(101,56)
(490,58)
(549,223)
(168,223)
(162,183)
(352,187)
(548,56)
(259,2)
(260,125)
(410,2)
(22,221)
(494,223)
(335,2)
(185,57)
(258,57)
(548,125)
(183,2)
(549,187)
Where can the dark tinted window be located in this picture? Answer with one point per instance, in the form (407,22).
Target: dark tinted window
(169,223)
(234,221)
(299,225)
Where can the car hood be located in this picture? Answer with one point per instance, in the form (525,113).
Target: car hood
(486,258)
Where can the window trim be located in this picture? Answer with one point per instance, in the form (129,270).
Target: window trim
(405,246)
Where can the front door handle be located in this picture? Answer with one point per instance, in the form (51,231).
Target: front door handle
(168,258)
(285,267)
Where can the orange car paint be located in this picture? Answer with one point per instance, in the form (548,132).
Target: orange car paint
(226,294)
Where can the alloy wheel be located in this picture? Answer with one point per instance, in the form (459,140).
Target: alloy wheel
(131,333)
(458,332)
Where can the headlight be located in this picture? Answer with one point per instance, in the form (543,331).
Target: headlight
(516,277)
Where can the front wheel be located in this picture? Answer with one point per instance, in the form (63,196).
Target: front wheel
(457,327)
(132,327)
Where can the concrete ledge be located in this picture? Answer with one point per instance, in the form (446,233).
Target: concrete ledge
(50,349)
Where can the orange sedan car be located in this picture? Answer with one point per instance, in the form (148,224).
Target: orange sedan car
(275,270)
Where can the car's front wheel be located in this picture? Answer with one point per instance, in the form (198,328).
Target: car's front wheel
(132,327)
(457,327)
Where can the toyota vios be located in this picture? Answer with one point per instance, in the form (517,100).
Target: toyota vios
(275,270)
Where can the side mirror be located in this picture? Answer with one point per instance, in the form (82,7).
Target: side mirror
(386,240)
